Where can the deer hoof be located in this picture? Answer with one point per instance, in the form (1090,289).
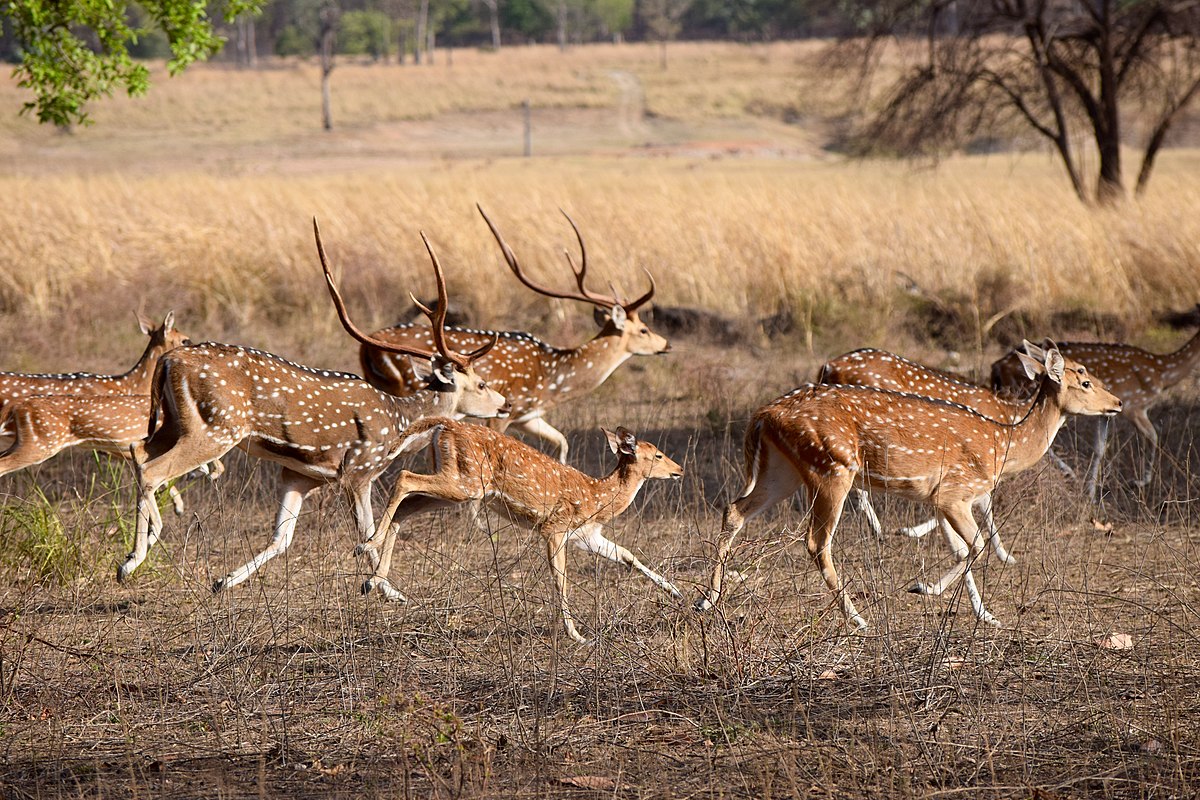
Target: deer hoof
(923,588)
(219,585)
(126,569)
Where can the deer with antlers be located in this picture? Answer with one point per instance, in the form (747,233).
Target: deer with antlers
(533,375)
(319,426)
(1140,378)
(831,438)
(136,381)
(563,505)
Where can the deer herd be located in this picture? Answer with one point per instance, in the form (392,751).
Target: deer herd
(873,422)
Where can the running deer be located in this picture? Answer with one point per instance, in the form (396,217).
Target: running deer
(533,375)
(42,426)
(560,503)
(1140,378)
(319,426)
(883,370)
(830,439)
(163,339)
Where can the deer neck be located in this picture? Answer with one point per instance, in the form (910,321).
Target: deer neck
(590,364)
(425,403)
(137,379)
(1029,439)
(1182,362)
(615,491)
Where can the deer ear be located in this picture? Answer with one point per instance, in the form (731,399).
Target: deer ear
(614,443)
(628,442)
(1033,367)
(144,324)
(169,321)
(618,317)
(1034,351)
(1056,365)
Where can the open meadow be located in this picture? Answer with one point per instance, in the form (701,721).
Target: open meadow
(771,254)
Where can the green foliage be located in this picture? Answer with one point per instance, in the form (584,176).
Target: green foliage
(36,539)
(73,51)
(365,33)
(530,18)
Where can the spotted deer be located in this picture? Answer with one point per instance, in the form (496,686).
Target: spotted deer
(560,503)
(832,438)
(1140,378)
(42,426)
(884,370)
(136,381)
(319,426)
(533,375)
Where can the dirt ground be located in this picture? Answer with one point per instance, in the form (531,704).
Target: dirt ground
(293,685)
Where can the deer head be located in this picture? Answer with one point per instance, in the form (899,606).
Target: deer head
(614,315)
(448,370)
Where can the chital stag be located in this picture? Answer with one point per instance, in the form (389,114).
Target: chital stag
(533,375)
(563,505)
(163,338)
(319,426)
(830,439)
(1140,378)
(42,426)
(884,370)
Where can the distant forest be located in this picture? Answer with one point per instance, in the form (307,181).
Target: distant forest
(403,30)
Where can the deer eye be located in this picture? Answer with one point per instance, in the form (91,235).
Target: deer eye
(1086,384)
(658,455)
(645,331)
(482,385)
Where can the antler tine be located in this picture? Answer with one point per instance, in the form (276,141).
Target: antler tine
(344,315)
(581,273)
(437,317)
(630,307)
(515,267)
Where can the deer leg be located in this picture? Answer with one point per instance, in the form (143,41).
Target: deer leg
(1057,461)
(861,500)
(436,487)
(958,548)
(958,523)
(1093,474)
(148,523)
(544,430)
(295,487)
(917,531)
(590,538)
(984,504)
(773,480)
(829,496)
(556,555)
(1141,421)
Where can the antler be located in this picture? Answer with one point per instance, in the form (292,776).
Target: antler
(437,319)
(584,294)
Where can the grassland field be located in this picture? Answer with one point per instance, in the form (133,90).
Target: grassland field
(720,175)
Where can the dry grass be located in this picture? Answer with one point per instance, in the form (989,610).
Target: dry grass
(199,198)
(293,685)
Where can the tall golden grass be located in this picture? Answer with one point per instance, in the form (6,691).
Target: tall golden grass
(145,209)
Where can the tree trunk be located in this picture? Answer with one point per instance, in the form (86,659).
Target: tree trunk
(1109,185)
(430,42)
(1159,136)
(328,18)
(422,23)
(494,11)
(561,19)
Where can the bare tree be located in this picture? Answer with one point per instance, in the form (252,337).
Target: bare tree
(493,7)
(247,48)
(328,19)
(663,20)
(1059,67)
(422,24)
